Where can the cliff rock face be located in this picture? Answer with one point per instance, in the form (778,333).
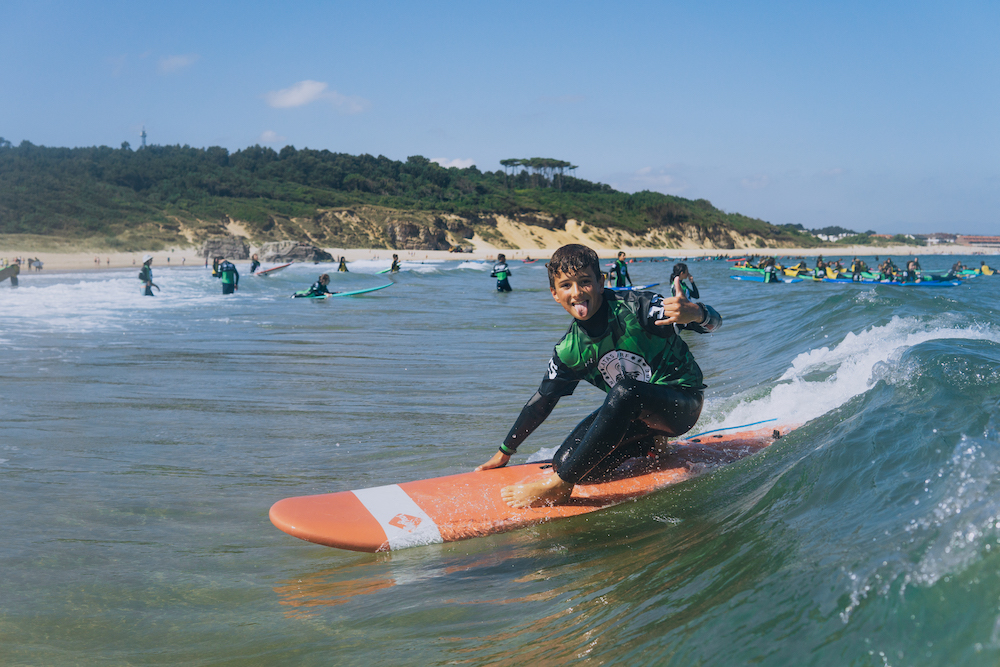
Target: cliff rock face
(230,247)
(410,236)
(293,251)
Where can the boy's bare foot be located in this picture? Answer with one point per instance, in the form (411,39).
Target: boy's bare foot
(550,491)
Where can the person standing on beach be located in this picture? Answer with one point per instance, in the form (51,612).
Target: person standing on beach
(146,275)
(501,271)
(620,269)
(229,275)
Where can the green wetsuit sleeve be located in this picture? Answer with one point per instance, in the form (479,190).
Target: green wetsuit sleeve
(534,412)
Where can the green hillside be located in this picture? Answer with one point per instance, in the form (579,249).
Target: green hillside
(125,198)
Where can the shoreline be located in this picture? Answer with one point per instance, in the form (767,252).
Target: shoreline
(190,256)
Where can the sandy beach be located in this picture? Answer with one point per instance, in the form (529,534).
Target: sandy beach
(191,255)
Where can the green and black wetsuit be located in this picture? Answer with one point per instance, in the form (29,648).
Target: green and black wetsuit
(501,271)
(229,275)
(621,273)
(691,293)
(317,289)
(653,384)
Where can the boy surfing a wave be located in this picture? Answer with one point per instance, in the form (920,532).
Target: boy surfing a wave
(627,344)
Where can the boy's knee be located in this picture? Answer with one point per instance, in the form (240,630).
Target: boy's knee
(625,391)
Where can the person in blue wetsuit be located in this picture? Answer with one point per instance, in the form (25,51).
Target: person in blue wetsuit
(681,271)
(627,344)
(501,271)
(620,270)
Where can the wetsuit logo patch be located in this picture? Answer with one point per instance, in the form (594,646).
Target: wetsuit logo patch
(618,364)
(553,369)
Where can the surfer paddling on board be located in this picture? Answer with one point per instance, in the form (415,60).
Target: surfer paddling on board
(318,288)
(627,344)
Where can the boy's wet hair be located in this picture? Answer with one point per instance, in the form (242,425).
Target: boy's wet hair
(572,259)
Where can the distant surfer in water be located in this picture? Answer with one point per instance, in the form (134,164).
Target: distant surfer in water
(394,268)
(254,263)
(626,344)
(343,265)
(620,271)
(226,271)
(318,288)
(500,272)
(146,275)
(681,271)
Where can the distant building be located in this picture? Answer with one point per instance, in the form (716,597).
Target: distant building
(982,241)
(936,238)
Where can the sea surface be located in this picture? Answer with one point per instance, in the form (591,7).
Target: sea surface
(143,440)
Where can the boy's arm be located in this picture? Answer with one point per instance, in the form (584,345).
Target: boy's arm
(534,412)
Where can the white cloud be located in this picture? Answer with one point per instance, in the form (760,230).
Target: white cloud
(171,64)
(297,95)
(307,92)
(270,137)
(461,163)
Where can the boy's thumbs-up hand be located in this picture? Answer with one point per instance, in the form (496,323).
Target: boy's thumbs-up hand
(678,310)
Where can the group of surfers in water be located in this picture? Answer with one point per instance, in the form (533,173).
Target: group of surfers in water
(858,270)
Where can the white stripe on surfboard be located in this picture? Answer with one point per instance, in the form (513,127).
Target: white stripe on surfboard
(404,523)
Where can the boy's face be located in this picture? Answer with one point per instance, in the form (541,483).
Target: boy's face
(580,293)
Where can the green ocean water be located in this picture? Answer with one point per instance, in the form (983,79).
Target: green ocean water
(143,440)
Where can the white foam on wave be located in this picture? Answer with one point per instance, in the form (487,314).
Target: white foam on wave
(825,378)
(478,266)
(82,303)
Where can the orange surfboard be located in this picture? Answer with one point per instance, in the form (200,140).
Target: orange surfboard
(458,507)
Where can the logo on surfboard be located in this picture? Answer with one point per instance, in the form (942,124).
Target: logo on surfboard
(617,364)
(405,522)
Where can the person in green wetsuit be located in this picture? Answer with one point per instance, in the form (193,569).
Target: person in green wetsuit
(501,271)
(318,288)
(146,275)
(681,271)
(227,273)
(626,344)
(620,269)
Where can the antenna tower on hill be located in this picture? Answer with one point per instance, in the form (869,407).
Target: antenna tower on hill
(143,135)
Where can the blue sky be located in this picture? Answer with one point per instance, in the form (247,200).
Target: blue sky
(869,115)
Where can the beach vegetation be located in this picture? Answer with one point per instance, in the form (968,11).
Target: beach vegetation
(179,194)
